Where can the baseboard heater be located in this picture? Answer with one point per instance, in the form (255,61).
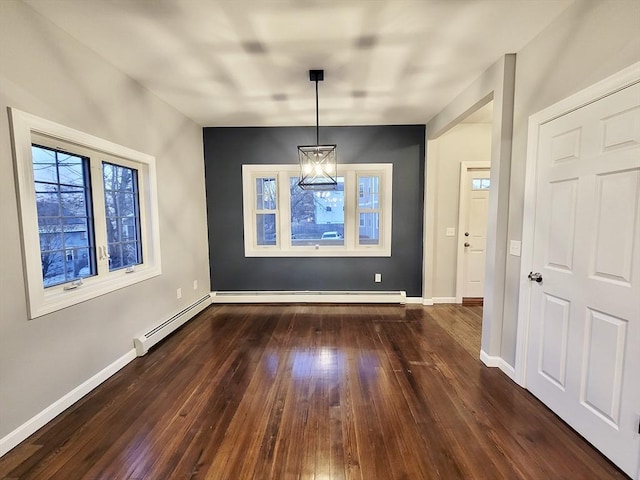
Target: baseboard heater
(308,297)
(145,341)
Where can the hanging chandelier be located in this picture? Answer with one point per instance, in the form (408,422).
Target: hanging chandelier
(318,163)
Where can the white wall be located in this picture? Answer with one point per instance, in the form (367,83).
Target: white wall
(46,72)
(589,41)
(466,142)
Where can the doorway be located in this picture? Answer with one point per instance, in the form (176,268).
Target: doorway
(475,185)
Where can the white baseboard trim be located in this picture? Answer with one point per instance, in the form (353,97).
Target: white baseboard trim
(414,301)
(444,300)
(493,361)
(427,301)
(308,297)
(56,408)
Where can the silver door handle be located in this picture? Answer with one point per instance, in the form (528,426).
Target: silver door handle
(535,277)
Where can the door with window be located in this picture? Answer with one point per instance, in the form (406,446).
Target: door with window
(472,232)
(583,347)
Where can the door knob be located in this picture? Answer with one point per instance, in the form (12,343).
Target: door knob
(535,277)
(467,244)
(466,234)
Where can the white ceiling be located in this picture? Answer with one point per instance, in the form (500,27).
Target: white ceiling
(246,62)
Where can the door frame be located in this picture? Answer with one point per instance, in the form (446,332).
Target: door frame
(462,214)
(595,92)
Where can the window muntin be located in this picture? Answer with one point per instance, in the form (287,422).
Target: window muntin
(73,176)
(321,223)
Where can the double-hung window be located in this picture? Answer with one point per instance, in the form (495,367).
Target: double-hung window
(88,214)
(352,220)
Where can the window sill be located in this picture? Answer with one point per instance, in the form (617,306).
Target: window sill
(44,302)
(323,251)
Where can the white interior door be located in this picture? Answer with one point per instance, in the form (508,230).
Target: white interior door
(583,351)
(472,237)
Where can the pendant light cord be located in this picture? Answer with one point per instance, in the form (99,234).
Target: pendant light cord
(317,118)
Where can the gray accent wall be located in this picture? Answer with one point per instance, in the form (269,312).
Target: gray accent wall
(226,149)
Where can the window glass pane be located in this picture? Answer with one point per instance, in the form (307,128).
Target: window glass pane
(317,217)
(50,236)
(265,193)
(44,165)
(73,202)
(369,192)
(63,204)
(266,228)
(369,231)
(70,170)
(480,183)
(123,254)
(47,201)
(77,259)
(122,210)
(53,267)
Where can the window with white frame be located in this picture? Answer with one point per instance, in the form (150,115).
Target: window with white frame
(88,214)
(281,219)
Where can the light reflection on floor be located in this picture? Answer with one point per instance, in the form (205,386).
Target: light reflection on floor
(322,363)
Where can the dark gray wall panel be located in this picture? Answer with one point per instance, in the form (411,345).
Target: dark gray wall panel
(226,149)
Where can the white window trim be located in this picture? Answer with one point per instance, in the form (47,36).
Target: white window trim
(40,300)
(283,247)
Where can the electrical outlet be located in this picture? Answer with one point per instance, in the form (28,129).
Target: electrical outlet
(195,284)
(378,278)
(179,293)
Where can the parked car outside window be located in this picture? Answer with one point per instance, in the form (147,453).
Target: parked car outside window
(330,235)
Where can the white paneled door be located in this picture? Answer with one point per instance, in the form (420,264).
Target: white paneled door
(475,185)
(583,347)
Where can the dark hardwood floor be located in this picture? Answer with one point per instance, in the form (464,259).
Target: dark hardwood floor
(311,392)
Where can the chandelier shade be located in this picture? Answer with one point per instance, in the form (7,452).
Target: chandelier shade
(318,163)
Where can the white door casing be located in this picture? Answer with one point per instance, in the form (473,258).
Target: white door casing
(472,229)
(579,329)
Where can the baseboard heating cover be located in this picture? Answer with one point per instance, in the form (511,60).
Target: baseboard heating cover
(145,341)
(308,297)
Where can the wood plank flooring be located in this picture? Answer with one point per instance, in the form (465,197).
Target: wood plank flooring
(311,392)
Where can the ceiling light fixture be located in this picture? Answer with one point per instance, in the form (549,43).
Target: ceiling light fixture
(318,163)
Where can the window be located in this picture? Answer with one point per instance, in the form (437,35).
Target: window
(122,214)
(281,219)
(480,184)
(369,209)
(63,204)
(313,218)
(89,214)
(266,213)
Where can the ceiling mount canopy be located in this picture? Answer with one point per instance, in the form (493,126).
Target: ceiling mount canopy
(318,163)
